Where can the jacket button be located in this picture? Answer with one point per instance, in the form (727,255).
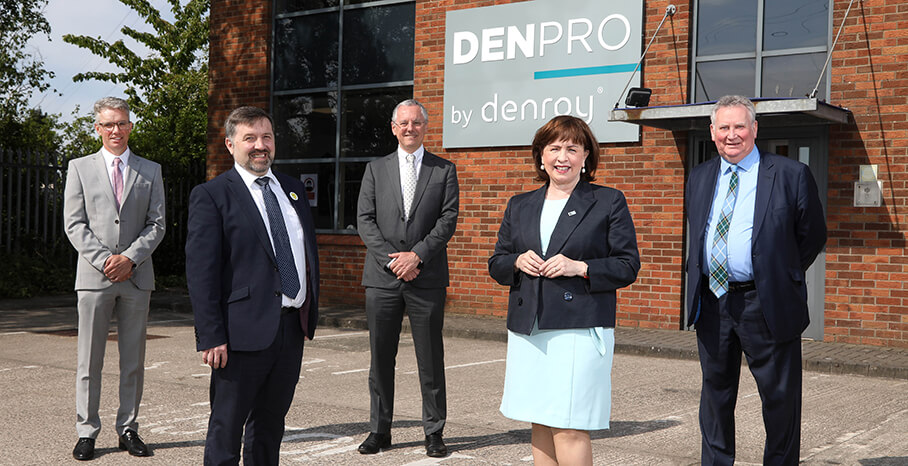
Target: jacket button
(277,293)
(520,301)
(403,242)
(116,222)
(568,296)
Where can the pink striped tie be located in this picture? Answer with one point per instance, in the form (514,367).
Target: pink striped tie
(118,181)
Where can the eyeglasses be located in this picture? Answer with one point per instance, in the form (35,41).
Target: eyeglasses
(110,125)
(415,123)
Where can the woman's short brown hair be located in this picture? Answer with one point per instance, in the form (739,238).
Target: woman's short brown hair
(566,128)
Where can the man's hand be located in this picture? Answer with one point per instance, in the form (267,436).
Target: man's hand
(215,357)
(405,265)
(118,268)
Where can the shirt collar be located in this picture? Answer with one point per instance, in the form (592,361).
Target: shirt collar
(109,157)
(746,164)
(402,154)
(249,178)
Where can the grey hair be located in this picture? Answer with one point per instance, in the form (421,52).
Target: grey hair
(734,101)
(247,115)
(410,103)
(106,103)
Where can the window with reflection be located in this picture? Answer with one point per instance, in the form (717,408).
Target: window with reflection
(340,67)
(760,48)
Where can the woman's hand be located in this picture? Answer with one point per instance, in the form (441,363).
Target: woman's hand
(529,263)
(561,266)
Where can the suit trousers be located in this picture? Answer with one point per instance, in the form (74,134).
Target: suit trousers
(96,309)
(255,390)
(727,326)
(384,311)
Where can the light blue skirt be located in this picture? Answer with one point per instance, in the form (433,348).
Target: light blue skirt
(560,378)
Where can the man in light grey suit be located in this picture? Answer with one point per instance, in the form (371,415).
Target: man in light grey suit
(113,212)
(407,213)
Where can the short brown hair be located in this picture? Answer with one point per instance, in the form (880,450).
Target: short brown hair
(566,128)
(244,116)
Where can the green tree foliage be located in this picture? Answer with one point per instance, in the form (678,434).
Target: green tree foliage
(20,73)
(168,91)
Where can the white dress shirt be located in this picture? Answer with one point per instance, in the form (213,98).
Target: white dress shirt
(291,220)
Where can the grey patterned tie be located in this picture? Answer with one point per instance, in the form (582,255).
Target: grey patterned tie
(290,279)
(409,184)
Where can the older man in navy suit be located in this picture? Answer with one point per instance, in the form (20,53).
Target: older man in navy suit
(756,225)
(252,272)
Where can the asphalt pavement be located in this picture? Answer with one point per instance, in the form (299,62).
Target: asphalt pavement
(855,397)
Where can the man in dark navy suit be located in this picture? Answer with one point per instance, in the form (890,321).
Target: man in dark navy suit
(252,272)
(756,225)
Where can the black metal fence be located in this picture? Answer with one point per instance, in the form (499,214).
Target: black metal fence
(31,208)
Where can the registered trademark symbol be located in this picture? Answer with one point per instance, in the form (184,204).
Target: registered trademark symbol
(600,90)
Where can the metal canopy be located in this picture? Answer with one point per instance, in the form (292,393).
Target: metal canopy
(770,112)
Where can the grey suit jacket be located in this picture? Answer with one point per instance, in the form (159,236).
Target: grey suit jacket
(381,224)
(97,230)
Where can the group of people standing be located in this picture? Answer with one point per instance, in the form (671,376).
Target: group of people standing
(563,250)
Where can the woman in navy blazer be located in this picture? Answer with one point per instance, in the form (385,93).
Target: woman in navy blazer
(564,250)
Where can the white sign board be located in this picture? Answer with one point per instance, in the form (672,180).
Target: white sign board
(511,68)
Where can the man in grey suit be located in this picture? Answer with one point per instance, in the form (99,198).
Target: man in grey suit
(113,212)
(407,213)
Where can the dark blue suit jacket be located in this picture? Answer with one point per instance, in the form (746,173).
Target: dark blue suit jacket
(595,227)
(789,230)
(233,280)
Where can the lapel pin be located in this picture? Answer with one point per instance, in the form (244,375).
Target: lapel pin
(572,213)
(294,196)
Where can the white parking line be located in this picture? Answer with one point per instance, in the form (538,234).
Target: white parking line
(341,335)
(493,361)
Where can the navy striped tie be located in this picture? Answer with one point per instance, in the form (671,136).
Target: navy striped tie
(290,279)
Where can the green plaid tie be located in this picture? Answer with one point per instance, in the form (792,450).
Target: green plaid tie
(718,258)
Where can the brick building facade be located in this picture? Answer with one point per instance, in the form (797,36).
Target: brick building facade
(865,298)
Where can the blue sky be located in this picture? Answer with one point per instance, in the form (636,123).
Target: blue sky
(95,18)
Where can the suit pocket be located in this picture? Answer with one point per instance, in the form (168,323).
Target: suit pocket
(238,294)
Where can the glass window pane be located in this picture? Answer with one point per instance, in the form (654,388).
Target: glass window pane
(793,75)
(366,121)
(323,193)
(795,23)
(289,6)
(726,26)
(718,78)
(378,44)
(351,179)
(305,52)
(305,125)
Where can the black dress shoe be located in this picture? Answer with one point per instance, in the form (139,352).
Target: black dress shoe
(85,449)
(131,442)
(435,446)
(375,443)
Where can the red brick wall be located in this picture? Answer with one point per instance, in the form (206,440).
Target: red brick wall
(866,274)
(239,68)
(866,291)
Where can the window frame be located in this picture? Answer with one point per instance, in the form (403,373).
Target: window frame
(758,55)
(339,89)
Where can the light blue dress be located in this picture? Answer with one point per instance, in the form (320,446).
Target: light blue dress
(559,378)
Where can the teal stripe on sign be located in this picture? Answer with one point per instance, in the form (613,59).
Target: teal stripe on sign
(566,73)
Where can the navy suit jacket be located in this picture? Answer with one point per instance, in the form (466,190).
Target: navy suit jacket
(231,272)
(595,227)
(789,231)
